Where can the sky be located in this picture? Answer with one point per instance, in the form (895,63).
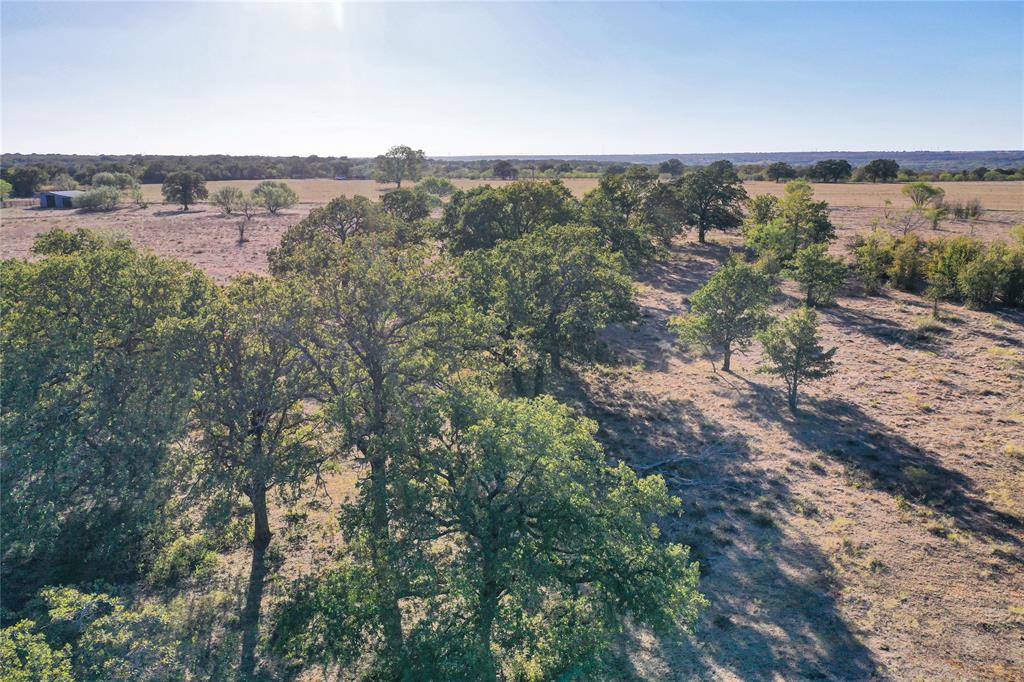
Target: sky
(490,78)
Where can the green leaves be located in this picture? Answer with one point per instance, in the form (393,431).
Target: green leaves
(727,311)
(793,351)
(96,385)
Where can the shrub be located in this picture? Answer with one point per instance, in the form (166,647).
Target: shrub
(968,210)
(907,265)
(186,557)
(1011,291)
(104,198)
(982,280)
(792,350)
(228,199)
(274,195)
(947,258)
(921,194)
(872,258)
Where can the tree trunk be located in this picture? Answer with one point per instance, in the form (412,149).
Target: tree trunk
(250,620)
(518,383)
(556,360)
(700,234)
(538,379)
(935,307)
(792,397)
(726,358)
(487,610)
(380,553)
(810,297)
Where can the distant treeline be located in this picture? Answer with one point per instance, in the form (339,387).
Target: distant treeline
(29,173)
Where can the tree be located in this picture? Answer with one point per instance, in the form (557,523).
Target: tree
(228,199)
(547,551)
(485,216)
(762,209)
(713,198)
(120,181)
(673,167)
(438,187)
(400,163)
(792,350)
(800,222)
(635,212)
(408,205)
(138,197)
(381,328)
(63,181)
(274,195)
(818,273)
(921,194)
(936,214)
(780,170)
(185,188)
(881,170)
(96,388)
(310,245)
(831,170)
(5,189)
(727,311)
(551,292)
(25,180)
(552,541)
(255,434)
(505,170)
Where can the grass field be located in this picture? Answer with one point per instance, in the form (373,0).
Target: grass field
(993,195)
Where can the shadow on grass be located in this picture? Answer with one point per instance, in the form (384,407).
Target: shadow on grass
(890,463)
(773,612)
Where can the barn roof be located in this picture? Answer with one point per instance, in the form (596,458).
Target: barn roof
(71,193)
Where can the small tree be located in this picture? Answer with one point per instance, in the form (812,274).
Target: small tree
(399,163)
(438,187)
(673,167)
(947,259)
(727,311)
(185,188)
(921,194)
(274,195)
(819,274)
(409,205)
(762,208)
(138,197)
(5,189)
(792,350)
(831,170)
(228,199)
(936,214)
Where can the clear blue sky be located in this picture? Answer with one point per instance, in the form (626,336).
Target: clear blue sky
(517,78)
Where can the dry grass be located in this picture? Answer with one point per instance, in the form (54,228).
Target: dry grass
(1008,196)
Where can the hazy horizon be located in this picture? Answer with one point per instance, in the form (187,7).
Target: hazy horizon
(510,79)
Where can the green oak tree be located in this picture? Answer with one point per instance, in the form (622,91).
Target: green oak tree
(185,188)
(713,198)
(727,311)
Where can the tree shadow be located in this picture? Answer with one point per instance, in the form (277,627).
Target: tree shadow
(774,612)
(877,327)
(890,463)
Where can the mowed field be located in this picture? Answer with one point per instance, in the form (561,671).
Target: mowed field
(879,534)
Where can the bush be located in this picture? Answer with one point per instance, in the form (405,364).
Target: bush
(907,264)
(872,258)
(980,280)
(1011,291)
(967,210)
(186,557)
(947,259)
(103,198)
(228,199)
(274,195)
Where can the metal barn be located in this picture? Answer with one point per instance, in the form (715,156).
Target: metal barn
(62,199)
